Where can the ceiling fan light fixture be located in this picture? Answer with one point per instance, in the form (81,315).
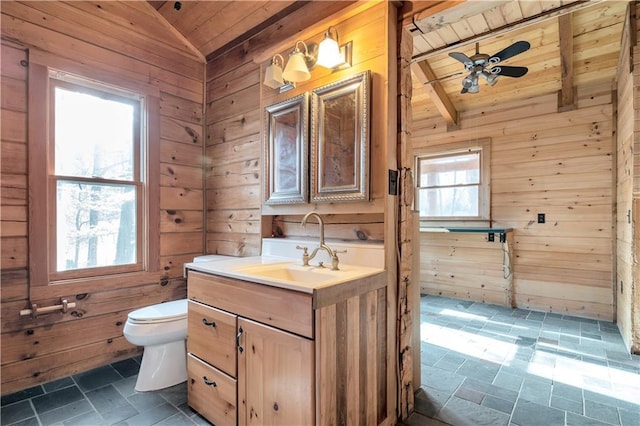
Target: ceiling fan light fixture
(490,77)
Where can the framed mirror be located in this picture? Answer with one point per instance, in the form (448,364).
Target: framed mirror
(340,140)
(286,151)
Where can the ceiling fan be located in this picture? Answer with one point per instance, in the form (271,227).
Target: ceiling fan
(487,67)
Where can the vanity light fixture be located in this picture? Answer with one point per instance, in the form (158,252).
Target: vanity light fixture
(300,63)
(331,54)
(273,73)
(304,57)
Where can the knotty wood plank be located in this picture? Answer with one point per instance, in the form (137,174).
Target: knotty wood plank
(21,375)
(240,221)
(238,150)
(180,198)
(181,220)
(237,197)
(177,130)
(236,127)
(234,244)
(175,175)
(178,153)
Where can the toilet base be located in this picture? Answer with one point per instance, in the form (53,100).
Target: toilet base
(162,366)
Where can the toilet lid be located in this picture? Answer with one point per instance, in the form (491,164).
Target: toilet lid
(161,312)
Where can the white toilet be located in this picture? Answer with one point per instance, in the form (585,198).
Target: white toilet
(162,330)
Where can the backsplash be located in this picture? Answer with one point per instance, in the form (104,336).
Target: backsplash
(360,254)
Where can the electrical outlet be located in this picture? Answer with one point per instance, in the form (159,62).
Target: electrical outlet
(503,237)
(393,182)
(541,218)
(491,237)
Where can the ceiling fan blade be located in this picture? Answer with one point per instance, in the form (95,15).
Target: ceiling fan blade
(509,71)
(468,63)
(510,51)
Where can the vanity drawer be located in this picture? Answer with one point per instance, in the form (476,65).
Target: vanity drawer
(285,309)
(211,392)
(212,336)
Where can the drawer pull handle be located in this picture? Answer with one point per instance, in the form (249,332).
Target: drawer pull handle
(208,323)
(208,383)
(238,336)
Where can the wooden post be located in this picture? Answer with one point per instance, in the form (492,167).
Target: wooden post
(405,227)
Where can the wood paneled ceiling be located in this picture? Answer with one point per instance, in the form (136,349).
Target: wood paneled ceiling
(573,43)
(211,25)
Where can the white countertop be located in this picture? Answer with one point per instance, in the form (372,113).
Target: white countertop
(252,269)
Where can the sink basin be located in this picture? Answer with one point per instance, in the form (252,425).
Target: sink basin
(284,272)
(291,272)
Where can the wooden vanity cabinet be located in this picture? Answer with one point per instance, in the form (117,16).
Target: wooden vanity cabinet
(230,345)
(289,358)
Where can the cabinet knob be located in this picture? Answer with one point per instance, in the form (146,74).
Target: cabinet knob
(209,383)
(208,323)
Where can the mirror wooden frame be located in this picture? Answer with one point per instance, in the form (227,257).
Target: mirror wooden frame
(340,157)
(286,143)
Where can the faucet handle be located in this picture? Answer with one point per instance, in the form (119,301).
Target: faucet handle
(334,259)
(305,255)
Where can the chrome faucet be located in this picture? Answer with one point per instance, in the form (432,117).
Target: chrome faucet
(333,254)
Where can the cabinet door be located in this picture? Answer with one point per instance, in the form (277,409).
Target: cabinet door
(212,336)
(275,376)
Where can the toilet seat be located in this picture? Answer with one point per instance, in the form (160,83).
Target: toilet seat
(162,312)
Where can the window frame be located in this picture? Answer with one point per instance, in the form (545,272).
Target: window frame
(42,181)
(483,146)
(110,93)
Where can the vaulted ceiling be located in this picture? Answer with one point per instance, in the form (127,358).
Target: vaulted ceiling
(573,42)
(211,26)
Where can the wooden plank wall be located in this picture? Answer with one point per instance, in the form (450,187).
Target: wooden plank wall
(115,41)
(542,161)
(235,98)
(352,337)
(624,189)
(450,267)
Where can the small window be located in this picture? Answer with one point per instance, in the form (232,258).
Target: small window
(96,188)
(453,183)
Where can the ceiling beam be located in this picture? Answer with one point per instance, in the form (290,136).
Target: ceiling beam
(566,100)
(559,11)
(425,75)
(411,9)
(428,21)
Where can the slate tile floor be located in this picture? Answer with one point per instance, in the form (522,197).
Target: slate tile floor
(481,365)
(490,365)
(103,396)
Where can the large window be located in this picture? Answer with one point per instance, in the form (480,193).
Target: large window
(453,183)
(94,158)
(95,179)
